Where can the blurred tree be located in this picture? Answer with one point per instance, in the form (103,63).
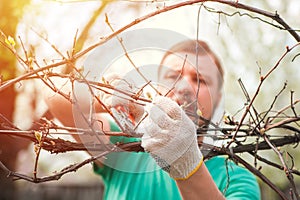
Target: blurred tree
(10,13)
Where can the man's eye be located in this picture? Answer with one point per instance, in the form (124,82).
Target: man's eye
(171,76)
(199,80)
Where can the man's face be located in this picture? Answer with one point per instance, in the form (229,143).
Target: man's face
(192,90)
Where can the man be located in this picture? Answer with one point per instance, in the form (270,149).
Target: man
(194,78)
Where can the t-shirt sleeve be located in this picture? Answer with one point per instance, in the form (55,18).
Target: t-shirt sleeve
(98,169)
(104,169)
(101,169)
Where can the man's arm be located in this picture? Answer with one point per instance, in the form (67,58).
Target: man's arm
(63,110)
(200,185)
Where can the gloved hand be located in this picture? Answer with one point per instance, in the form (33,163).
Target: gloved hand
(170,137)
(120,100)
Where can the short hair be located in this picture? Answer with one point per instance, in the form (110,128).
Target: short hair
(195,47)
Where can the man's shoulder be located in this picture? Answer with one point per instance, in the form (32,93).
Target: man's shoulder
(235,180)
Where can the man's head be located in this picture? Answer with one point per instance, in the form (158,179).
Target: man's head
(196,76)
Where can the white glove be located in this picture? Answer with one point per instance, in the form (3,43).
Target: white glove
(120,100)
(170,137)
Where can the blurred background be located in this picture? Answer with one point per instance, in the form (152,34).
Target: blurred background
(246,46)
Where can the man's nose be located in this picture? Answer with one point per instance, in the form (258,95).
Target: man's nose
(184,88)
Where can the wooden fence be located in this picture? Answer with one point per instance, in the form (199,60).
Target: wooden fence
(52,192)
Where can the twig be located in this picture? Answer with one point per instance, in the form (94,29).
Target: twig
(286,169)
(128,57)
(262,79)
(143,18)
(260,175)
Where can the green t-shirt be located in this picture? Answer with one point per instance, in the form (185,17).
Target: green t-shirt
(131,175)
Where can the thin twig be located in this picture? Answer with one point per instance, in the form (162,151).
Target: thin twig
(286,169)
(262,79)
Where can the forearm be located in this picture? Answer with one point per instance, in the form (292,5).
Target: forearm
(199,186)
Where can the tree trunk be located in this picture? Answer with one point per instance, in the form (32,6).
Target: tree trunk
(10,13)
